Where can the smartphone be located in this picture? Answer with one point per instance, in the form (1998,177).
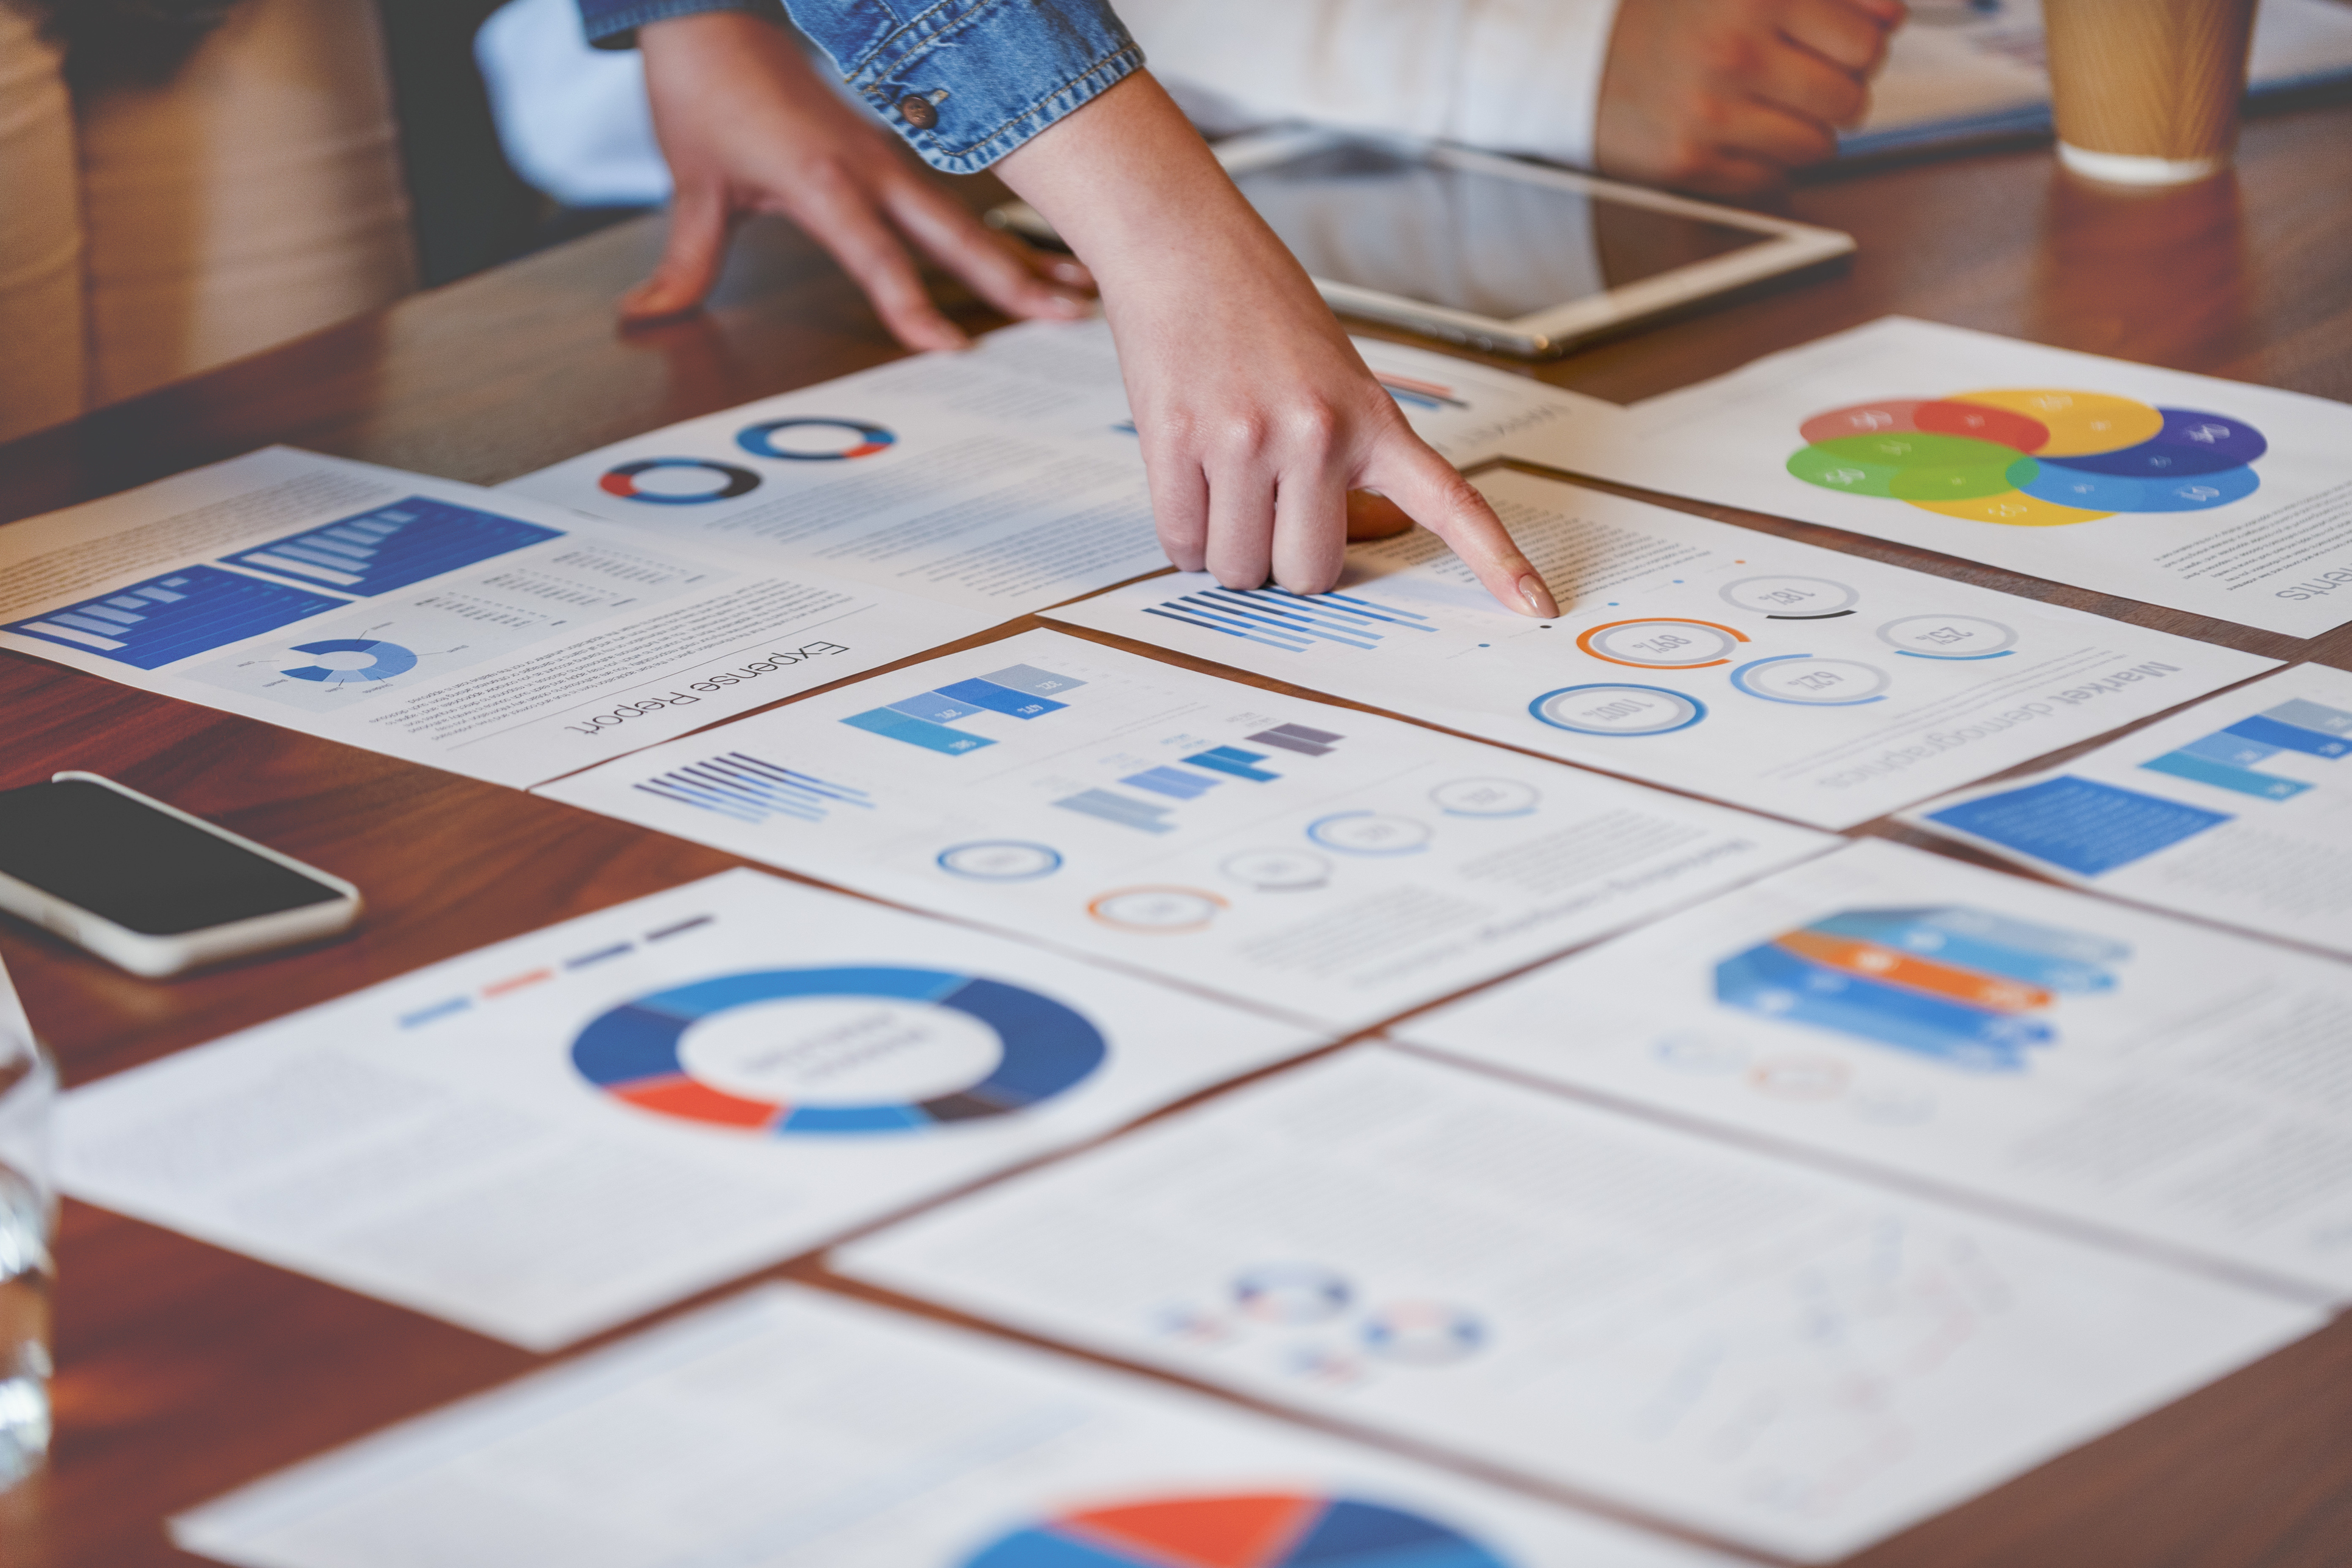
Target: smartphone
(152,888)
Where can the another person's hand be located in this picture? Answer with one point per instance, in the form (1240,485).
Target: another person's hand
(1727,96)
(1257,415)
(748,127)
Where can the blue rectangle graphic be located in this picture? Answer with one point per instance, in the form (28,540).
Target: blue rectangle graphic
(2222,776)
(206,608)
(2079,825)
(1117,808)
(933,705)
(1174,783)
(2230,750)
(916,732)
(2307,715)
(1234,761)
(998,699)
(394,546)
(1028,678)
(2279,736)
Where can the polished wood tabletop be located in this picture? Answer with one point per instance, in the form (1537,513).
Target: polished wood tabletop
(186,1370)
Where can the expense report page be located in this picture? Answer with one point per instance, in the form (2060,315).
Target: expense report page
(1321,861)
(1789,1359)
(1711,658)
(999,479)
(468,630)
(2210,496)
(2237,810)
(2058,1053)
(550,1136)
(796,1429)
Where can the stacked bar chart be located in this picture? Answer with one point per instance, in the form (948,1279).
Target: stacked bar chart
(394,546)
(1966,987)
(1292,622)
(2227,758)
(927,719)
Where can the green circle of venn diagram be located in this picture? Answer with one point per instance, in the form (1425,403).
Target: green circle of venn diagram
(1914,466)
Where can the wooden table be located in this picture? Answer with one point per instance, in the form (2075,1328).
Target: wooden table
(186,1370)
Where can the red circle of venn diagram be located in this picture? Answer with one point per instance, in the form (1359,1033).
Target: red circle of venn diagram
(1937,417)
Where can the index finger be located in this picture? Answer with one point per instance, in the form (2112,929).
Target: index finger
(1426,486)
(1840,31)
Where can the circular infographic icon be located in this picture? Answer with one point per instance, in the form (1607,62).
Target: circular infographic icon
(678,481)
(1661,644)
(1799,1078)
(1278,870)
(814,440)
(1292,1294)
(1786,598)
(1158,910)
(1423,1333)
(1613,710)
(784,1051)
(2032,456)
(384,660)
(1811,681)
(1281,1530)
(1368,833)
(1001,861)
(1949,637)
(1486,797)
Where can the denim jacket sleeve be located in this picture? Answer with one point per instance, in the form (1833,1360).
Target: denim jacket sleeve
(964,81)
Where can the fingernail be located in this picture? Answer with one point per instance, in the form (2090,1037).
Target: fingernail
(1539,597)
(1065,305)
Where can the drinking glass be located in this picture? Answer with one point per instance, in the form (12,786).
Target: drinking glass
(28,1083)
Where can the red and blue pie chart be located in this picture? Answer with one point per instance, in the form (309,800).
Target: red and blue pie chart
(1276,1530)
(637,1052)
(814,440)
(726,482)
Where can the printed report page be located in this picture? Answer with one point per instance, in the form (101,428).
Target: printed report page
(2056,1053)
(1320,861)
(473,631)
(2215,496)
(796,1429)
(2237,810)
(554,1134)
(1788,1358)
(1733,664)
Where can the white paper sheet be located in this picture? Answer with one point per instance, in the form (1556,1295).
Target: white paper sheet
(1786,1358)
(2237,810)
(1001,479)
(1960,69)
(480,633)
(546,1137)
(2056,1053)
(1697,655)
(2216,496)
(795,1428)
(1321,861)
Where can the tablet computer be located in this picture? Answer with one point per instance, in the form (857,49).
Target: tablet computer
(1490,251)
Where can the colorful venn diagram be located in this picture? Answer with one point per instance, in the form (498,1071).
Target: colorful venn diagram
(2031,457)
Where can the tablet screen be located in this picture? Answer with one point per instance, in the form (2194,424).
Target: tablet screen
(1366,214)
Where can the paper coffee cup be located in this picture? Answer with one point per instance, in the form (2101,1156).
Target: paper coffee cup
(2145,92)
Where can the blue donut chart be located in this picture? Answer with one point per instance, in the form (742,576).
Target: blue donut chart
(760,440)
(632,1051)
(623,481)
(390,659)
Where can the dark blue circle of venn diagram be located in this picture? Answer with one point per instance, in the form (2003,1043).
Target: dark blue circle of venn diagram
(731,481)
(632,1052)
(813,446)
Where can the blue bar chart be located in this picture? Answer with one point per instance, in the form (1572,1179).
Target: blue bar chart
(172,617)
(2227,758)
(394,546)
(1292,622)
(751,789)
(928,718)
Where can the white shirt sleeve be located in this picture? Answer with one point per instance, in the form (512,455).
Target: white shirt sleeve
(1510,76)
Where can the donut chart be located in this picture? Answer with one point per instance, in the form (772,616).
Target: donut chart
(634,1052)
(815,440)
(1272,1530)
(732,481)
(2032,456)
(386,659)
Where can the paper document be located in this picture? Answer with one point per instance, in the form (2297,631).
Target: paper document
(1989,1035)
(1965,68)
(1789,1359)
(795,1428)
(1697,655)
(1321,861)
(2209,496)
(549,1136)
(2239,810)
(1001,479)
(480,633)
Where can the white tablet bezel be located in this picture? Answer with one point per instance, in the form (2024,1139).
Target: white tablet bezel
(1787,248)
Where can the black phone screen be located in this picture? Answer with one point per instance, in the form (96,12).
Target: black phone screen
(102,851)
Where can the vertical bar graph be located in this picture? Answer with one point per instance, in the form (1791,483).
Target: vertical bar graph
(172,617)
(751,789)
(394,546)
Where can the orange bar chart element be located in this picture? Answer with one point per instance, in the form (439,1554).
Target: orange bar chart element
(1895,967)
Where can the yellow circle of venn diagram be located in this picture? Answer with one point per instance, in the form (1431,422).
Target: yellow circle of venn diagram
(2078,422)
